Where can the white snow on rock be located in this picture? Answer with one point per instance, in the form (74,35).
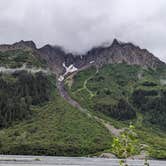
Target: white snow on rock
(91,62)
(69,69)
(61,78)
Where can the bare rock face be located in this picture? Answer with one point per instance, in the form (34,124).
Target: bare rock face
(117,52)
(54,56)
(124,53)
(25,45)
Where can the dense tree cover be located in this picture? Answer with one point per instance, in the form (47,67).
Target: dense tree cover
(16,58)
(56,128)
(126,144)
(152,104)
(121,111)
(139,96)
(139,88)
(148,83)
(17,92)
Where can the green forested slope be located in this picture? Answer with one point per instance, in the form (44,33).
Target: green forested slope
(122,94)
(16,58)
(55,128)
(35,120)
(17,92)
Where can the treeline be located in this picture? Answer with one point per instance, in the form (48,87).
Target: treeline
(152,104)
(51,149)
(17,92)
(120,111)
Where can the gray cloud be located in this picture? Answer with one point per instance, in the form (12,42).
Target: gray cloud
(78,25)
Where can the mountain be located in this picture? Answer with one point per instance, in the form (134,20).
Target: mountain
(19,45)
(117,52)
(57,103)
(122,94)
(34,118)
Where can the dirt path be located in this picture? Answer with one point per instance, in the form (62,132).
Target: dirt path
(63,93)
(85,85)
(109,127)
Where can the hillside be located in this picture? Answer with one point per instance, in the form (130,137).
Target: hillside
(35,120)
(55,128)
(121,94)
(119,90)
(57,103)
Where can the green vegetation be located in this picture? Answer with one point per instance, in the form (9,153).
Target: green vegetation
(56,128)
(121,90)
(35,120)
(124,94)
(126,144)
(17,92)
(152,104)
(46,128)
(16,58)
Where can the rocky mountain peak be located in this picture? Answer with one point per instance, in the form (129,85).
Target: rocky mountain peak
(49,49)
(24,44)
(46,49)
(115,42)
(18,45)
(117,52)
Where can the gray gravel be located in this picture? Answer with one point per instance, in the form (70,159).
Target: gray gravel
(66,161)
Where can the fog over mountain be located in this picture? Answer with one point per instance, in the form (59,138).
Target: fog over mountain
(78,25)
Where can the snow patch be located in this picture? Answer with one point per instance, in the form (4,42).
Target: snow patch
(91,62)
(61,78)
(69,69)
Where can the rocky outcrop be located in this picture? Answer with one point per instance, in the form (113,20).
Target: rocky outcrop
(108,155)
(54,56)
(117,52)
(124,53)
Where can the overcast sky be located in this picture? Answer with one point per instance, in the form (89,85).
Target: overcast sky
(78,25)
